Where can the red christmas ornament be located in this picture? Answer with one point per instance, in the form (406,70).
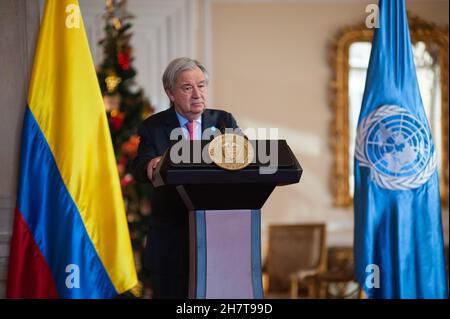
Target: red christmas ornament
(127,180)
(124,60)
(116,120)
(122,160)
(130,147)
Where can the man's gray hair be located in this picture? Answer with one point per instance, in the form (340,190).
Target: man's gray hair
(176,67)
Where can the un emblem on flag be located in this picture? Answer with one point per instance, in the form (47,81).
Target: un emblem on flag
(396,147)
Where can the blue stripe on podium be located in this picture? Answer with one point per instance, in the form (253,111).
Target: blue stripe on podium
(256,255)
(201,254)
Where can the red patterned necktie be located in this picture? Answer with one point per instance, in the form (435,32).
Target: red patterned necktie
(191,127)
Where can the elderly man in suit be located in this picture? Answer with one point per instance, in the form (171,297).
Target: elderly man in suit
(167,250)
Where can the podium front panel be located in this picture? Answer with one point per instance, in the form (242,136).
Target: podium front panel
(226,258)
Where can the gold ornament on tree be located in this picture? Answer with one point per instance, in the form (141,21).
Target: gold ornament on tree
(110,5)
(117,12)
(112,81)
(117,23)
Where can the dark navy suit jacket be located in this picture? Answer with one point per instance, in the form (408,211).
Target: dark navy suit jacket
(167,249)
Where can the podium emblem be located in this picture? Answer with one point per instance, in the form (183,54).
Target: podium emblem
(231,151)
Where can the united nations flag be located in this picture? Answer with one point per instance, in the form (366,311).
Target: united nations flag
(398,238)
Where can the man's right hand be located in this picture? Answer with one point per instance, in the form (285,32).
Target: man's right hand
(151,166)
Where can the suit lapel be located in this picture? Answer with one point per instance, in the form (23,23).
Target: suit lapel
(171,121)
(210,120)
(207,120)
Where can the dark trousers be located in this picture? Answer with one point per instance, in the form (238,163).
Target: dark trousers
(169,286)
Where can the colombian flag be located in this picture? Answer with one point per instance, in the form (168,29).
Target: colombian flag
(70,236)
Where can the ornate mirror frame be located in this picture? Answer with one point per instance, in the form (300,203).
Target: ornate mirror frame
(420,30)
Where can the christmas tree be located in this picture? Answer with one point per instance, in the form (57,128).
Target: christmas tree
(126,106)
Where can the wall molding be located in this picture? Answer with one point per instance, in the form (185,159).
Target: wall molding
(7,205)
(20,22)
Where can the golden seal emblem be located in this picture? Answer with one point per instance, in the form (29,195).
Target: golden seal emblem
(231,151)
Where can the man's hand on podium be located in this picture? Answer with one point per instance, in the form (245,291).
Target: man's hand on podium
(151,166)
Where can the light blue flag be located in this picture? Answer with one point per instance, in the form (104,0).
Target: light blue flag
(398,240)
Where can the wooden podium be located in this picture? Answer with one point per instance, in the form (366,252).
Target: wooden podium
(225,218)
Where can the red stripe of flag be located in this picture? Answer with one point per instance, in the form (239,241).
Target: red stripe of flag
(28,273)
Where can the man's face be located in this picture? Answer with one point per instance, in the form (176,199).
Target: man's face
(190,93)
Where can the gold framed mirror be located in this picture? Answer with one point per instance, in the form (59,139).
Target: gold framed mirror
(349,55)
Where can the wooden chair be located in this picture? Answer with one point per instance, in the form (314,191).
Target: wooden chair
(295,254)
(338,282)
